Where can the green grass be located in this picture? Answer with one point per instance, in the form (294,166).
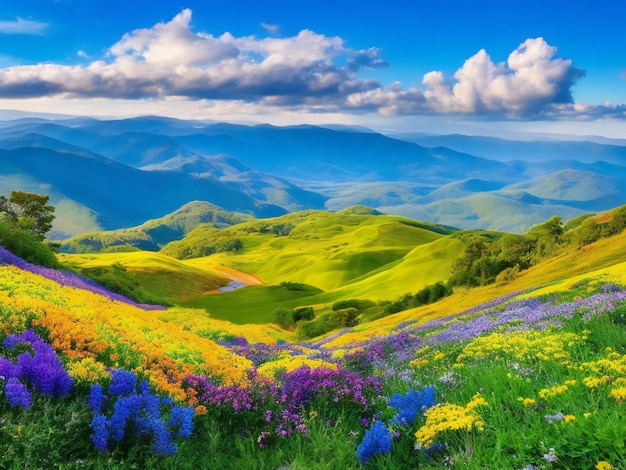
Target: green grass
(155,272)
(254,304)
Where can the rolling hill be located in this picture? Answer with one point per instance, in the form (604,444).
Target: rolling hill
(154,234)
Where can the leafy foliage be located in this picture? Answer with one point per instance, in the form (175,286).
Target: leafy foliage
(28,211)
(27,246)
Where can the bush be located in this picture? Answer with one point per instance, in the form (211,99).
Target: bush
(507,275)
(293,286)
(345,317)
(283,317)
(358,304)
(27,246)
(303,313)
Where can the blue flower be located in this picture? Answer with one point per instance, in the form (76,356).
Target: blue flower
(162,444)
(182,419)
(411,405)
(377,439)
(117,422)
(96,398)
(17,393)
(100,434)
(123,382)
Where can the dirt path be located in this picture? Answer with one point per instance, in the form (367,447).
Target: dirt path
(247,279)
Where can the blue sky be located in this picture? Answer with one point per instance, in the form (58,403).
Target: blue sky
(432,66)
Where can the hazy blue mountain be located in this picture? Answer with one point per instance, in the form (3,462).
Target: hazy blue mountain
(163,163)
(123,196)
(260,186)
(321,154)
(613,151)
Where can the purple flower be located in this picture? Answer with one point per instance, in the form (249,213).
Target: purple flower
(17,393)
(43,369)
(551,455)
(555,417)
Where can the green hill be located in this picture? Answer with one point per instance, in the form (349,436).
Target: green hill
(154,234)
(155,273)
(333,256)
(319,248)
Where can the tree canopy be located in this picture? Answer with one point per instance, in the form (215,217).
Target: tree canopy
(28,211)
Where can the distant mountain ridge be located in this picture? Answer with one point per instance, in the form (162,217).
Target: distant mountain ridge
(120,173)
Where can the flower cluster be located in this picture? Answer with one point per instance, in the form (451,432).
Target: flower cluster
(132,408)
(376,440)
(450,417)
(411,404)
(38,367)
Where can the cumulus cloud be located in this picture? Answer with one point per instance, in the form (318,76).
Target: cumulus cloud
(309,71)
(21,26)
(170,59)
(531,82)
(527,82)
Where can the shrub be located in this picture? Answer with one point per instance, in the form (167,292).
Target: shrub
(303,313)
(27,246)
(283,317)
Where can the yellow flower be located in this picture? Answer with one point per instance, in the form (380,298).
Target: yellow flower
(551,392)
(604,465)
(450,417)
(619,394)
(528,401)
(569,418)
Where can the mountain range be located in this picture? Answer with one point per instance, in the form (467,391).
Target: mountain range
(111,174)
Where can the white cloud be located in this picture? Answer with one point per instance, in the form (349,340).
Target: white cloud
(21,26)
(308,72)
(171,60)
(271,28)
(530,80)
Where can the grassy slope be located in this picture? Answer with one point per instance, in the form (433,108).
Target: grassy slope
(155,272)
(324,250)
(339,256)
(603,259)
(154,234)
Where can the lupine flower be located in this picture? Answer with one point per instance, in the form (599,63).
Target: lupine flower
(43,370)
(376,440)
(123,382)
(162,444)
(182,420)
(100,434)
(17,393)
(96,398)
(410,405)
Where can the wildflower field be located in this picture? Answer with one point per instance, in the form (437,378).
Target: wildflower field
(89,379)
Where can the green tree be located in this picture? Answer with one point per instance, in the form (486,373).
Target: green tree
(28,211)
